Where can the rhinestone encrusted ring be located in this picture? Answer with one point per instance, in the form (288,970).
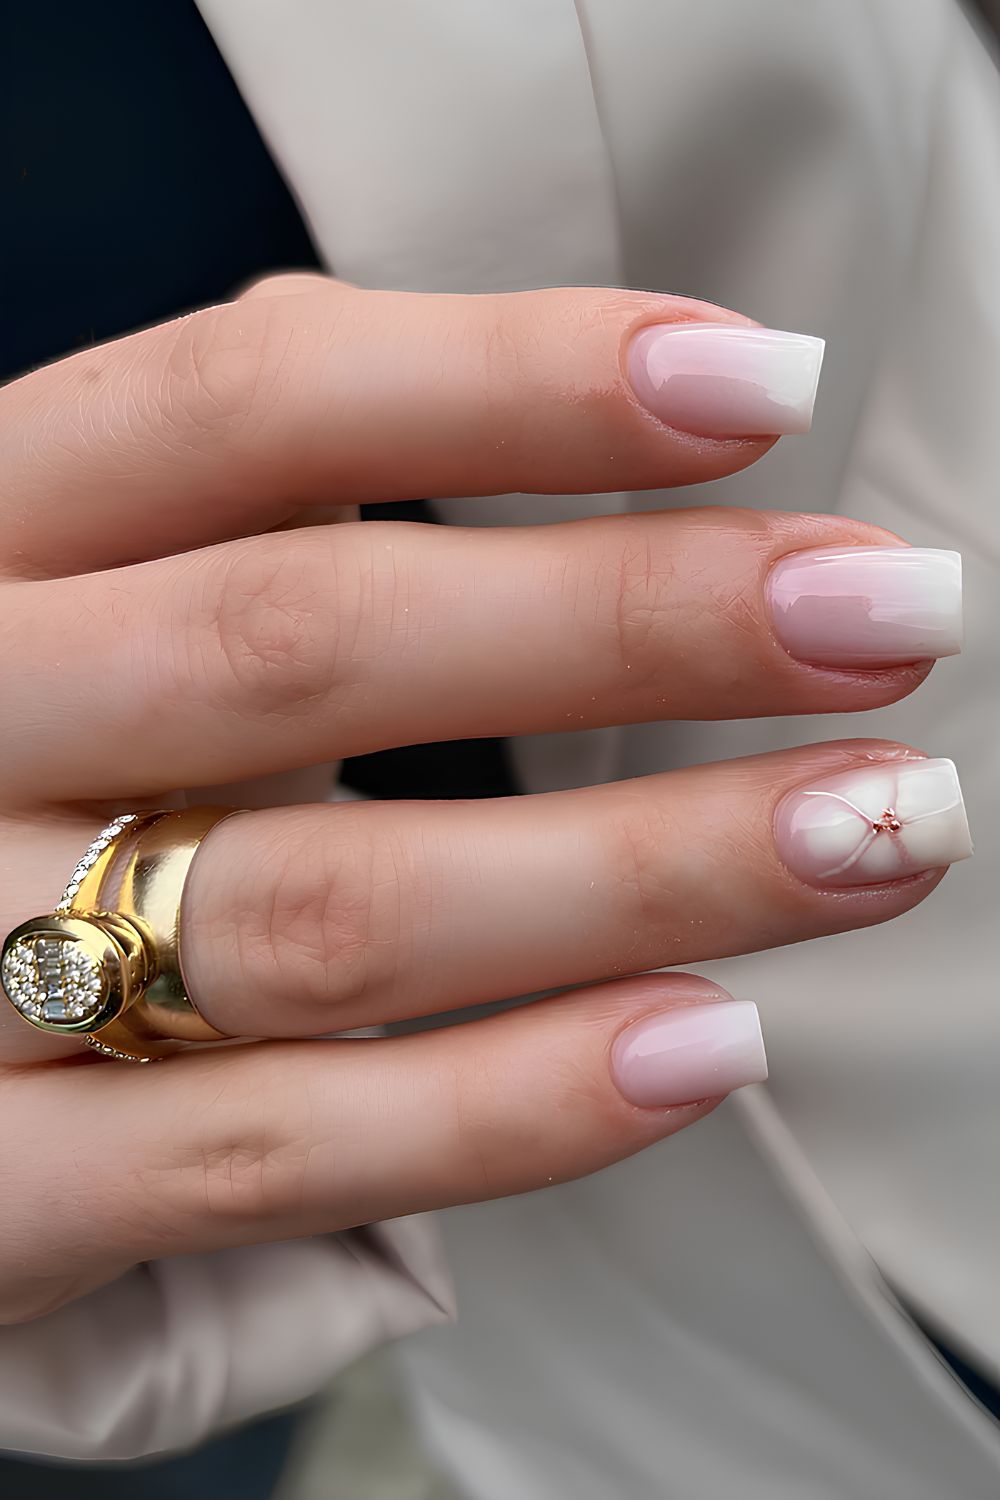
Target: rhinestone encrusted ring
(105,964)
(51,978)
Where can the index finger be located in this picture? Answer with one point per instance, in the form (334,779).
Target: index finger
(229,421)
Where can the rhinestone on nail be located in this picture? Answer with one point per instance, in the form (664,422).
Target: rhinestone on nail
(889,822)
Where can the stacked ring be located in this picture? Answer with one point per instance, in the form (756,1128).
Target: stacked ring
(105,965)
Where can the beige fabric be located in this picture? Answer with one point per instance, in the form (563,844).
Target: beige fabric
(704,1321)
(180,1348)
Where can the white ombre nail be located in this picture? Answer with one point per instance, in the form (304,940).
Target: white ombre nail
(726,379)
(688,1053)
(867,606)
(874,824)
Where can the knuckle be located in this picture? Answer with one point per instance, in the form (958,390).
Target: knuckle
(651,889)
(504,1149)
(243,1158)
(328,932)
(511,336)
(251,1176)
(282,625)
(637,581)
(221,372)
(243,377)
(492,1141)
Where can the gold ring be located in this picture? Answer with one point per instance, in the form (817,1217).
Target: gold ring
(106,964)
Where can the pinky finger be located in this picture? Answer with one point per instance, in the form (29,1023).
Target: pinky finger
(239,1145)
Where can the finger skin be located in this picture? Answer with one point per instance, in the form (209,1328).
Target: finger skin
(241,1145)
(228,421)
(306,921)
(282,651)
(309,920)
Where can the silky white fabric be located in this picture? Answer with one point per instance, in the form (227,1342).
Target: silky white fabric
(705,1321)
(178,1349)
(692,1325)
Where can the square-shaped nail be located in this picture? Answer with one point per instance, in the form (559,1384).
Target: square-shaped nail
(690,1052)
(867,606)
(873,824)
(726,379)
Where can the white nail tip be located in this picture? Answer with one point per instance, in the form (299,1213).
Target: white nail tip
(728,379)
(789,375)
(932,809)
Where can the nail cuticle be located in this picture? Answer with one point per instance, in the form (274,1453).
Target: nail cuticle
(885,890)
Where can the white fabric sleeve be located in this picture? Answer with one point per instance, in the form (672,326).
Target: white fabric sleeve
(177,1349)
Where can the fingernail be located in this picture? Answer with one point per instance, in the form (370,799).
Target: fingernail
(878,823)
(726,380)
(691,1052)
(867,606)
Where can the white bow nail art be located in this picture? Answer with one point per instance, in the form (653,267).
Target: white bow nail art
(875,824)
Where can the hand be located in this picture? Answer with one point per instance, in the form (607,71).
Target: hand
(161,631)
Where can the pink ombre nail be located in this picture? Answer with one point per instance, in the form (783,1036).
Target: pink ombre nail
(691,1052)
(880,822)
(867,606)
(726,379)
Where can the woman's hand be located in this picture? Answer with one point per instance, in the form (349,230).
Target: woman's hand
(162,630)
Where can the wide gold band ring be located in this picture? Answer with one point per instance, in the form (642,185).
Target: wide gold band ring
(106,964)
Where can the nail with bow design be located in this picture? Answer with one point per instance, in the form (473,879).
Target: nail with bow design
(874,824)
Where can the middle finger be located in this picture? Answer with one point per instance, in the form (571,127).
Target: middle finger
(287,650)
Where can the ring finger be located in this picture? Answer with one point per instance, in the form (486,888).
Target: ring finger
(308,920)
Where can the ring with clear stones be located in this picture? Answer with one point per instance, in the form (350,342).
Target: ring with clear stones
(105,964)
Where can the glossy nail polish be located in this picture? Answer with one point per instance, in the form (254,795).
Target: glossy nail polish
(877,823)
(726,379)
(688,1053)
(867,606)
